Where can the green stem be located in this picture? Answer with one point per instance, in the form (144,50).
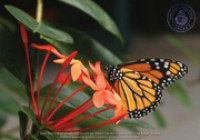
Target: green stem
(39,11)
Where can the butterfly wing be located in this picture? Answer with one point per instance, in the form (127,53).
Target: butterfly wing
(139,94)
(162,71)
(139,83)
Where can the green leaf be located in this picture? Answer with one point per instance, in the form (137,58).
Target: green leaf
(98,14)
(29,112)
(88,48)
(40,28)
(159,119)
(53,33)
(177,89)
(22,121)
(8,103)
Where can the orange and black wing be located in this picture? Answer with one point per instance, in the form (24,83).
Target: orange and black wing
(139,94)
(162,71)
(139,83)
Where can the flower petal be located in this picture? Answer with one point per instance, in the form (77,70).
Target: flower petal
(90,83)
(75,71)
(92,67)
(59,61)
(48,47)
(98,67)
(85,71)
(111,98)
(99,78)
(97,99)
(101,81)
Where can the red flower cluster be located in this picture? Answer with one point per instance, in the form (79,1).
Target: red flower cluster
(104,97)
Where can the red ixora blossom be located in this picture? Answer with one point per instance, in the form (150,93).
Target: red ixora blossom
(46,109)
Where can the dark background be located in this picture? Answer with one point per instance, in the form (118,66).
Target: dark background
(132,17)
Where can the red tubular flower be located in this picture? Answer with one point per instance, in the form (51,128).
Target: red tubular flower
(25,41)
(46,110)
(48,48)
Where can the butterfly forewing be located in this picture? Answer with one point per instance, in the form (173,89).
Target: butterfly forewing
(162,71)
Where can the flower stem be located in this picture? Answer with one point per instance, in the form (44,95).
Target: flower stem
(40,79)
(39,13)
(64,101)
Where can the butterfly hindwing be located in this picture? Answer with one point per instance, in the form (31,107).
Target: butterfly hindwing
(139,94)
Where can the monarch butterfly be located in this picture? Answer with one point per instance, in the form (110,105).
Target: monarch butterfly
(139,83)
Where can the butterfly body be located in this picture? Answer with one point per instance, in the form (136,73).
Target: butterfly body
(139,83)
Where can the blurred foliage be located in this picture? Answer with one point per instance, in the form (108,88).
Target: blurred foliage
(176,43)
(13,72)
(178,89)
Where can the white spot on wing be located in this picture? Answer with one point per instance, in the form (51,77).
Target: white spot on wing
(156,63)
(166,65)
(168,73)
